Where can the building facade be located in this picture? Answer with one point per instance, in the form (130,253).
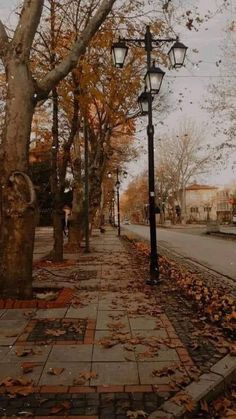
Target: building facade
(201,203)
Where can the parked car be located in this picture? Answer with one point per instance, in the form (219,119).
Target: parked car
(234,219)
(126,222)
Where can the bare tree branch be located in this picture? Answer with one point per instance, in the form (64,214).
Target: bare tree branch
(4,42)
(61,70)
(27,26)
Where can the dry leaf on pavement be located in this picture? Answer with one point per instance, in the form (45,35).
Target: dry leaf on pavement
(184,399)
(56,333)
(60,407)
(55,371)
(136,414)
(28,367)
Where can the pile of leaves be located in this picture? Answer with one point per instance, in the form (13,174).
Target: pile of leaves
(17,386)
(213,303)
(223,407)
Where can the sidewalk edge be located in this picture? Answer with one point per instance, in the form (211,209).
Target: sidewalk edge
(209,386)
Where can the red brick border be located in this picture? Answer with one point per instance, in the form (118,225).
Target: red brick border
(63,299)
(89,334)
(62,389)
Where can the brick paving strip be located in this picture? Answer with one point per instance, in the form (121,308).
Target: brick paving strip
(105,348)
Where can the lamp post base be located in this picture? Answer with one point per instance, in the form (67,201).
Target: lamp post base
(153,282)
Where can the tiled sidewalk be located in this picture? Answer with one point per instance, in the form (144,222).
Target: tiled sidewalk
(108,351)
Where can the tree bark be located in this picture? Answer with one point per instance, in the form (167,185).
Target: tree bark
(18,200)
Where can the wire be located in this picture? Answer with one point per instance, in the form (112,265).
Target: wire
(203,76)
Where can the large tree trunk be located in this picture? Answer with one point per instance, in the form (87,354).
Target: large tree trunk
(18,198)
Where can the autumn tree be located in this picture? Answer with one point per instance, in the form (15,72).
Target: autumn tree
(24,91)
(181,158)
(93,79)
(134,201)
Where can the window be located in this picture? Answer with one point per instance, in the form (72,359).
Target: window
(207,209)
(194,209)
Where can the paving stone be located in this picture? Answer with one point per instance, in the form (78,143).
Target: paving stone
(71,353)
(113,373)
(80,403)
(111,302)
(101,334)
(2,312)
(91,410)
(173,408)
(105,318)
(45,330)
(163,354)
(87,312)
(116,353)
(159,333)
(14,371)
(38,354)
(89,284)
(52,313)
(107,398)
(18,313)
(71,372)
(143,323)
(160,414)
(225,367)
(10,330)
(146,369)
(200,389)
(3,352)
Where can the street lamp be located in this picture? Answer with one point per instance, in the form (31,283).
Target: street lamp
(177,54)
(117,185)
(153,80)
(143,102)
(119,53)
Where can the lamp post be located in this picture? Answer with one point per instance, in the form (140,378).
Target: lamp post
(153,80)
(117,185)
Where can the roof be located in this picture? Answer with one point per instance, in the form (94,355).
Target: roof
(197,187)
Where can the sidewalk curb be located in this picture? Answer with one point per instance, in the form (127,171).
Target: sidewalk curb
(207,388)
(209,385)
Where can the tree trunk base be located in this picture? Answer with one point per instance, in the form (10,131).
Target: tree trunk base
(18,228)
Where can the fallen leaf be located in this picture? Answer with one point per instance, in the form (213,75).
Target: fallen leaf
(184,399)
(19,390)
(55,371)
(136,414)
(204,406)
(23,352)
(60,407)
(86,375)
(56,333)
(230,414)
(47,296)
(28,367)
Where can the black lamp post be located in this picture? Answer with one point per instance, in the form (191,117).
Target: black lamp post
(117,185)
(153,80)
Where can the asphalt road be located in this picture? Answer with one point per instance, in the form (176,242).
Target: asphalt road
(214,253)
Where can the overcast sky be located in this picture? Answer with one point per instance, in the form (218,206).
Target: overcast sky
(189,84)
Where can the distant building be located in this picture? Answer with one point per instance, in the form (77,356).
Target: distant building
(226,204)
(201,203)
